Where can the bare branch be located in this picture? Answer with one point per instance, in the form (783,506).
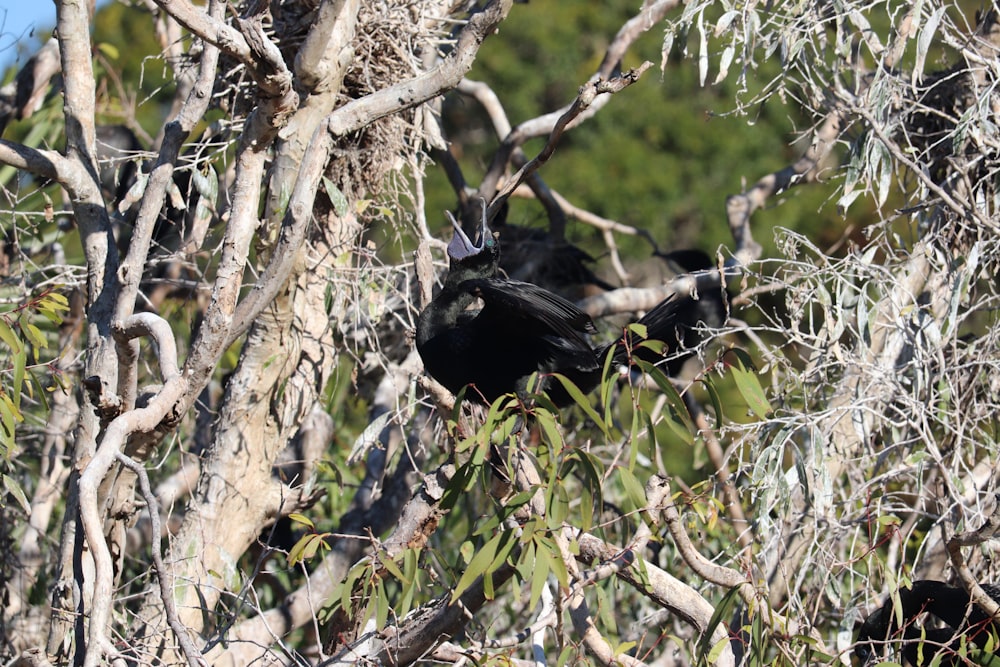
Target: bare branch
(648,16)
(210,28)
(973,538)
(357,113)
(588,96)
(740,208)
(729,578)
(161,175)
(48,164)
(117,432)
(634,299)
(350,117)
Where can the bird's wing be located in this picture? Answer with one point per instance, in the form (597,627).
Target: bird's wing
(533,308)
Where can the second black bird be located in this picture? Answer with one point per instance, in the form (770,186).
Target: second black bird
(950,604)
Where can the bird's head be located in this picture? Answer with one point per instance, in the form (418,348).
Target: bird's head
(874,633)
(464,250)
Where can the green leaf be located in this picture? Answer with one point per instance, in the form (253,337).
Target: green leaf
(565,654)
(382,606)
(350,582)
(749,385)
(337,197)
(556,564)
(9,414)
(680,420)
(539,575)
(507,543)
(477,566)
(34,335)
(633,488)
(547,422)
(36,390)
(411,570)
(581,400)
(593,479)
(526,563)
(558,509)
(392,567)
(58,301)
(460,483)
(605,608)
(20,360)
(14,489)
(467,551)
(519,499)
(303,550)
(586,509)
(722,611)
(8,336)
(708,382)
(717,649)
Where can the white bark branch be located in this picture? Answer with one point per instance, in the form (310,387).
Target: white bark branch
(117,432)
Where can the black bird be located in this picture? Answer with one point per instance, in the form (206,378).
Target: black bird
(538,256)
(521,329)
(710,308)
(949,604)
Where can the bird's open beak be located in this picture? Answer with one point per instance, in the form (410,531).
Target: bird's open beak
(461,245)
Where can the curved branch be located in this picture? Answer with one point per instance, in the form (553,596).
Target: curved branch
(38,161)
(632,299)
(361,112)
(157,328)
(211,29)
(115,436)
(589,95)
(662,588)
(730,578)
(740,208)
(967,538)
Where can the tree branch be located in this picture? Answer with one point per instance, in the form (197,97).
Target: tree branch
(163,573)
(161,175)
(740,208)
(589,94)
(729,578)
(117,432)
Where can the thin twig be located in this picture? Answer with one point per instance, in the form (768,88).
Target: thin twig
(164,574)
(588,94)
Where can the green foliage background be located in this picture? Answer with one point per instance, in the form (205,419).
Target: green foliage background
(662,156)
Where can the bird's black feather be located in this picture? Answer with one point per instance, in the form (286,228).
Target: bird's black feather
(950,604)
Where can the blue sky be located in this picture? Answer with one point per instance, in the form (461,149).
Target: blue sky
(17,19)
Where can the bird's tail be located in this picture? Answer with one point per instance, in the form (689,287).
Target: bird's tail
(677,323)
(660,324)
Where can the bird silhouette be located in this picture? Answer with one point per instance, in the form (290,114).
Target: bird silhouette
(546,259)
(949,604)
(521,329)
(710,308)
